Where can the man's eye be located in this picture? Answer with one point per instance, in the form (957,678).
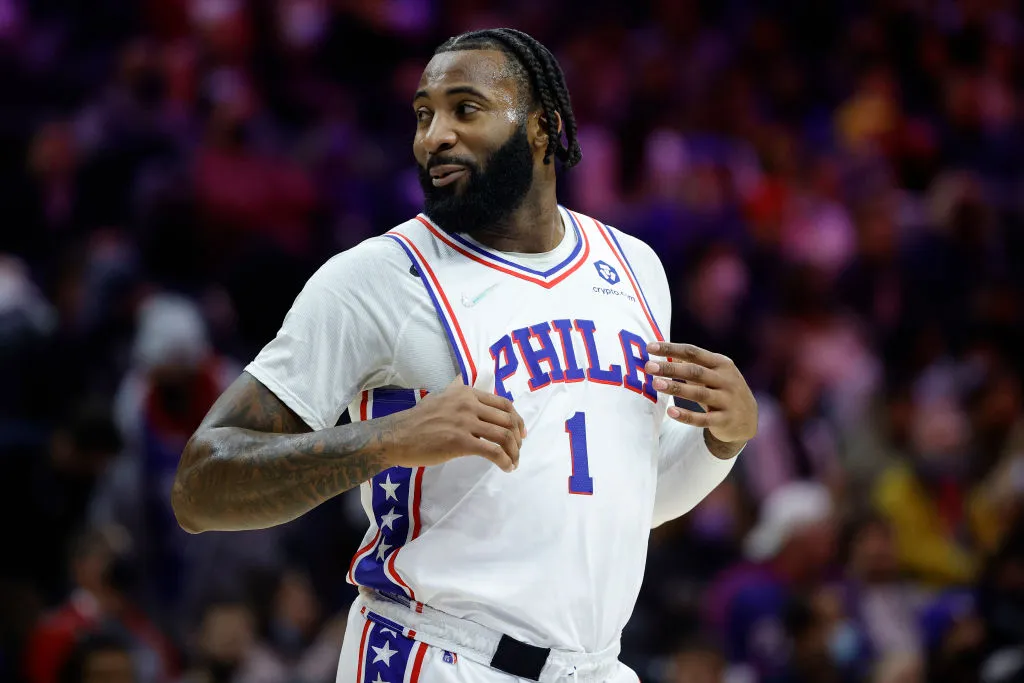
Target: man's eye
(466,108)
(423,115)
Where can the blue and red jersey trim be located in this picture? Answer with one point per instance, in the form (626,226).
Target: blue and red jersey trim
(388,653)
(620,255)
(443,306)
(486,254)
(546,279)
(395,497)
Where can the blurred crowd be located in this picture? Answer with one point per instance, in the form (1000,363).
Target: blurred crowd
(836,190)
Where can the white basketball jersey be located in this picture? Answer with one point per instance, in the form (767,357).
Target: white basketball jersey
(552,554)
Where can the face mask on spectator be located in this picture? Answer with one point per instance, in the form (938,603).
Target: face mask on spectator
(287,637)
(843,644)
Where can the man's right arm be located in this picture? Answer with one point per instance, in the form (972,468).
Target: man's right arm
(253,463)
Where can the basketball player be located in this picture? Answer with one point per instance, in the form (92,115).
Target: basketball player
(509,509)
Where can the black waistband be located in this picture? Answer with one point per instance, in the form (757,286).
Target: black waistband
(513,657)
(519,659)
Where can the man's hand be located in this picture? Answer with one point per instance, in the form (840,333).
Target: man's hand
(712,381)
(458,421)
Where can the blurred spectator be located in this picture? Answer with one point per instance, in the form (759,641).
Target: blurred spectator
(790,551)
(926,500)
(884,604)
(697,660)
(27,320)
(809,634)
(831,345)
(297,643)
(224,644)
(127,136)
(48,487)
(1001,591)
(712,300)
(874,284)
(817,228)
(99,658)
(244,192)
(684,556)
(175,374)
(867,121)
(997,422)
(102,578)
(795,442)
(49,211)
(174,378)
(954,637)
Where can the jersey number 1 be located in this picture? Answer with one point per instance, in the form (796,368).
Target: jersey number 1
(580,482)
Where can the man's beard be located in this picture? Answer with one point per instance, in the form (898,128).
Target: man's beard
(489,195)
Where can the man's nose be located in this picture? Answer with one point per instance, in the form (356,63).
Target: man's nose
(440,136)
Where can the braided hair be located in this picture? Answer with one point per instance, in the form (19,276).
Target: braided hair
(538,72)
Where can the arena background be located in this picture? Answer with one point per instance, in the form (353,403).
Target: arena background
(836,190)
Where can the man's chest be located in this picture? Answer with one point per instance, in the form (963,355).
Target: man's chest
(517,340)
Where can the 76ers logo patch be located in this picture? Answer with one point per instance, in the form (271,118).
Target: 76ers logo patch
(607,273)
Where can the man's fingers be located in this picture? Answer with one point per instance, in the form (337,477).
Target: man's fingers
(501,403)
(691,417)
(693,392)
(504,438)
(500,418)
(496,416)
(691,372)
(486,448)
(494,453)
(686,352)
(493,400)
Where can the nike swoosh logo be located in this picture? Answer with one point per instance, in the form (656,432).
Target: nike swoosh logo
(470,303)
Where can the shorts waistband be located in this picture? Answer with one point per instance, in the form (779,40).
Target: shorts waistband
(485,645)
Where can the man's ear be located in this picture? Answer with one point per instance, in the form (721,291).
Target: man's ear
(539,126)
(558,120)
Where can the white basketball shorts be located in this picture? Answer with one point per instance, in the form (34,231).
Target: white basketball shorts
(386,642)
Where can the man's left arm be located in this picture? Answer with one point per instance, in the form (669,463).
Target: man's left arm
(698,450)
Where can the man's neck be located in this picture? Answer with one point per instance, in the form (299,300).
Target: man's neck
(535,227)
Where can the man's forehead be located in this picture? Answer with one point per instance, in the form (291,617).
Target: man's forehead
(482,69)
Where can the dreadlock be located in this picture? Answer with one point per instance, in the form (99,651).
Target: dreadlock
(539,73)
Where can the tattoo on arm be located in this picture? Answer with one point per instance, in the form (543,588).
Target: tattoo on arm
(249,404)
(722,449)
(254,463)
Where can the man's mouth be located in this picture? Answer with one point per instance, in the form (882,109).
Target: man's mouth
(446,174)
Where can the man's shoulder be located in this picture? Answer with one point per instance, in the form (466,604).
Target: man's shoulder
(376,248)
(634,248)
(372,259)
